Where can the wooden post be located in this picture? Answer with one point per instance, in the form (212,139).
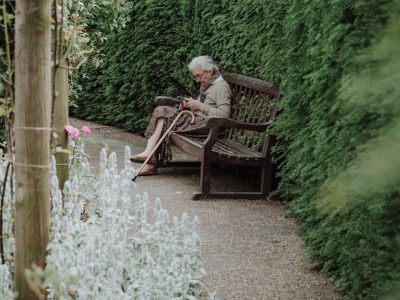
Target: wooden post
(32,132)
(60,119)
(60,94)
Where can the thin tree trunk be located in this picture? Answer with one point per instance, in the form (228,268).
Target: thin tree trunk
(60,95)
(32,142)
(60,119)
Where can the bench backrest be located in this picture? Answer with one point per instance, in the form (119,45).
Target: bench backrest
(254,101)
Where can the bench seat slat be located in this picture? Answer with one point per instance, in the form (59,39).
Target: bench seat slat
(223,147)
(236,148)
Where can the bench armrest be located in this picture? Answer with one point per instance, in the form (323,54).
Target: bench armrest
(166,101)
(212,122)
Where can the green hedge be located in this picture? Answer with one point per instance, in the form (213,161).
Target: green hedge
(146,59)
(336,114)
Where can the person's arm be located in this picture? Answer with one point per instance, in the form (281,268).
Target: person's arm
(222,97)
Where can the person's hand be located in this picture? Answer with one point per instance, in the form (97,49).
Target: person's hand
(192,104)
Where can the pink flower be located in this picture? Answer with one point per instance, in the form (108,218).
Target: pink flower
(86,130)
(72,131)
(69,128)
(75,133)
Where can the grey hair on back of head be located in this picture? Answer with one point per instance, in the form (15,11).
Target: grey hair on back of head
(203,62)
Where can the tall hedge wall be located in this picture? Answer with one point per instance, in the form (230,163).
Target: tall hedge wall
(338,132)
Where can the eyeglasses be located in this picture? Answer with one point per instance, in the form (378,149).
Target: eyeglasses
(197,77)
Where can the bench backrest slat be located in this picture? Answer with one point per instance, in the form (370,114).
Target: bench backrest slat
(254,101)
(252,83)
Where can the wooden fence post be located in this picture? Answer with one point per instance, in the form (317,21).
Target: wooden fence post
(32,137)
(60,93)
(60,114)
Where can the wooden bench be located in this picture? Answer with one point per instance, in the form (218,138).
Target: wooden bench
(245,140)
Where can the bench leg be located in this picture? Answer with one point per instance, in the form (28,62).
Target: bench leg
(206,159)
(266,171)
(205,175)
(266,179)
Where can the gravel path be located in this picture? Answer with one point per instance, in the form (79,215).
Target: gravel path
(249,248)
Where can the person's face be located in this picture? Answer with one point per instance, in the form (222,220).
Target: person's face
(201,76)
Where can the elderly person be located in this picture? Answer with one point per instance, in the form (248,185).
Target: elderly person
(214,100)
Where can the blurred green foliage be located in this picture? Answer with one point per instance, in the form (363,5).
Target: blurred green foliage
(337,63)
(364,198)
(3,62)
(138,63)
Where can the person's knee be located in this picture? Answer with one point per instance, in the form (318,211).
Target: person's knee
(158,110)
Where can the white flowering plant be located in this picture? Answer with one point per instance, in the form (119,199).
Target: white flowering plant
(7,250)
(106,243)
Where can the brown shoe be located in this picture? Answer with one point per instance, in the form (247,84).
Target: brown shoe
(148,172)
(141,159)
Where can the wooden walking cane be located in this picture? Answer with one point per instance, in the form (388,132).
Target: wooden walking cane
(162,138)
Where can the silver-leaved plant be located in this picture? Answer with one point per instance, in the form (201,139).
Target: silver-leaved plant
(106,243)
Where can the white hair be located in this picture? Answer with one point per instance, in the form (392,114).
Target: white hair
(204,62)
